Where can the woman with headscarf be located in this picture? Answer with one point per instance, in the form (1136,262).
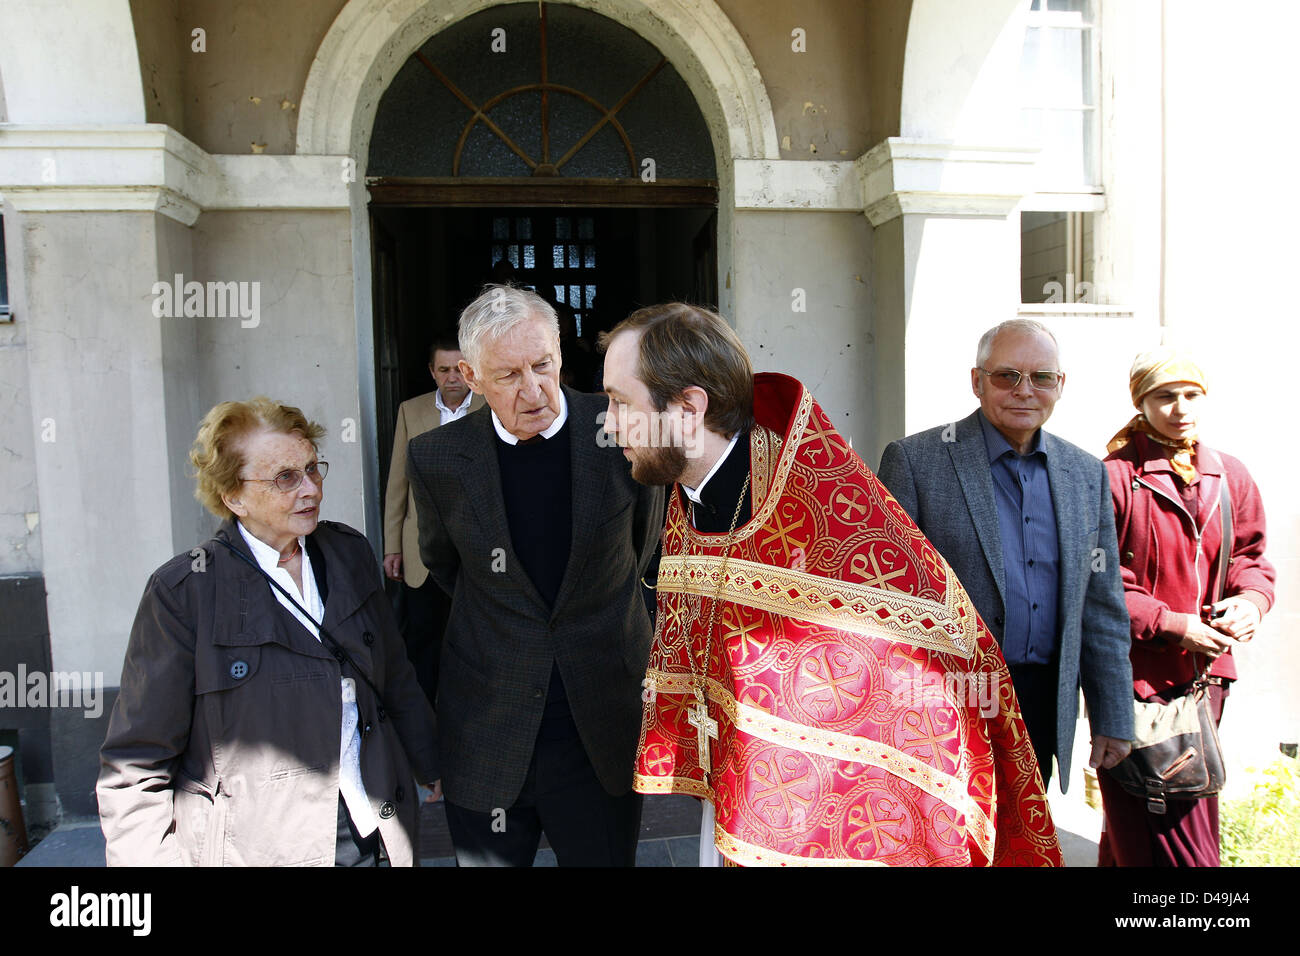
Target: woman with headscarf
(1166,486)
(268,714)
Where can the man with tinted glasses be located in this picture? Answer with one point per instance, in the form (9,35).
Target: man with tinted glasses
(1026,521)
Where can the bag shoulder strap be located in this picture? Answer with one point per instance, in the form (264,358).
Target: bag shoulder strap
(337,649)
(1225,544)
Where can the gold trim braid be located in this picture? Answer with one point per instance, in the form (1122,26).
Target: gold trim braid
(747,854)
(873,612)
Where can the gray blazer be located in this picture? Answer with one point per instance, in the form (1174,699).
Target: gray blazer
(946,487)
(501,637)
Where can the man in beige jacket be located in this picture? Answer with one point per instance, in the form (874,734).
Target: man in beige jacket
(426,606)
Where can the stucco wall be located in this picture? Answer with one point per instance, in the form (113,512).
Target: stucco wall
(163,44)
(102,459)
(20,536)
(246,88)
(819,97)
(829,347)
(304,349)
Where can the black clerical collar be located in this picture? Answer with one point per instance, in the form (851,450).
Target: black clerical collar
(717,505)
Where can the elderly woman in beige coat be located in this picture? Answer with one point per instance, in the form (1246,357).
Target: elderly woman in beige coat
(268,714)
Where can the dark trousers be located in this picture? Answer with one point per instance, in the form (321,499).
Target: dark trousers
(424,619)
(1186,834)
(1036,688)
(562,797)
(350,847)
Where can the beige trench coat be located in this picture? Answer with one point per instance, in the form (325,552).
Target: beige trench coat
(223,746)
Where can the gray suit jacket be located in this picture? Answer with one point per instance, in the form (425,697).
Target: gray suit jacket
(501,637)
(941,478)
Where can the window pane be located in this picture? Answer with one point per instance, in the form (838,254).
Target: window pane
(514,256)
(500,228)
(559,294)
(530,260)
(589,257)
(585,228)
(573,257)
(1056,254)
(498,253)
(589,293)
(557,257)
(575,296)
(524,225)
(562,227)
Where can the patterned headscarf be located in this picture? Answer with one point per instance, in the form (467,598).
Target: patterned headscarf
(1152,369)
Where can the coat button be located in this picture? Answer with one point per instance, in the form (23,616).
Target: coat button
(386,810)
(368,638)
(399,794)
(536,694)
(239,670)
(1128,555)
(997,621)
(365,731)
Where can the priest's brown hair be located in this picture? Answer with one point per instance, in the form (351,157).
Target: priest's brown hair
(683,345)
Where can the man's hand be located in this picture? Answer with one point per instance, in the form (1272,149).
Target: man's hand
(436,787)
(393,566)
(1238,620)
(1203,639)
(1108,751)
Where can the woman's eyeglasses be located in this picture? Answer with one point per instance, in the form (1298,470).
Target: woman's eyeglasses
(288,481)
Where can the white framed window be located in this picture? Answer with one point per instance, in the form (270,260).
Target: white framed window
(1059,93)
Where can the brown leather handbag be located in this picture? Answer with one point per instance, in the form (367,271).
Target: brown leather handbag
(1176,753)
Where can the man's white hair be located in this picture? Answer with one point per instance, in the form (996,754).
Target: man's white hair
(497,310)
(985,348)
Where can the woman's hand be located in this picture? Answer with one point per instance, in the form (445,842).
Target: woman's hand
(1203,639)
(1236,617)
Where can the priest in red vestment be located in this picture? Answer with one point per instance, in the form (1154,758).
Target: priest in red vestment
(819,677)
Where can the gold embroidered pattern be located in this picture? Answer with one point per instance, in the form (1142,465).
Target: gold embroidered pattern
(785,464)
(874,612)
(747,854)
(695,788)
(828,743)
(764,452)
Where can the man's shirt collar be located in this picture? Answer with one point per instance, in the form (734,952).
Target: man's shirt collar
(996,444)
(556,425)
(695,493)
(437,392)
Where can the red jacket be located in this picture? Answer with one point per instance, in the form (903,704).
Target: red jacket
(1169,566)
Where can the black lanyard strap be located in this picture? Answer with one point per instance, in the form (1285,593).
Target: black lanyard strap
(337,649)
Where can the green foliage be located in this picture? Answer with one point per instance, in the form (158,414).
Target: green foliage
(1264,828)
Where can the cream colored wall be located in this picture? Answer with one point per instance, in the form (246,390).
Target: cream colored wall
(304,350)
(830,346)
(163,45)
(20,535)
(96,391)
(818,96)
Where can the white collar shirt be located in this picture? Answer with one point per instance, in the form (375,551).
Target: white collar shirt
(351,787)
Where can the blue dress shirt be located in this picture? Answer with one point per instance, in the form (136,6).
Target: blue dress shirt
(1030,548)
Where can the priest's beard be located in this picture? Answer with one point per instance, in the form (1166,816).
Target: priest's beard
(660,465)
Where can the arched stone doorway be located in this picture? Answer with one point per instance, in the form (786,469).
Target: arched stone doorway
(547,146)
(371,40)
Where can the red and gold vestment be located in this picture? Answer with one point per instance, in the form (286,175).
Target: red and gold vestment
(864,715)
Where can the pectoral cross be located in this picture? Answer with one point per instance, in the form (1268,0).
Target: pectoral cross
(705,728)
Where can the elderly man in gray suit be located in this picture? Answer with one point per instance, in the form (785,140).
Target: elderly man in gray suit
(1026,521)
(530,521)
